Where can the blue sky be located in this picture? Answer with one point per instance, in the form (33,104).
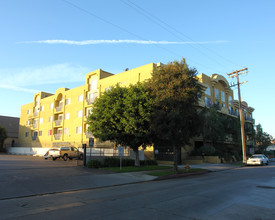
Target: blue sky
(50,44)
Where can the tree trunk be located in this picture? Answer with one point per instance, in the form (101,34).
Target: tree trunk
(137,162)
(175,159)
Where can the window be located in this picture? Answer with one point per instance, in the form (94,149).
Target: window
(230,110)
(208,102)
(207,91)
(222,96)
(51,106)
(93,84)
(41,121)
(26,134)
(79,130)
(88,111)
(40,133)
(68,101)
(80,98)
(67,116)
(217,94)
(50,132)
(66,130)
(34,135)
(28,111)
(42,108)
(28,122)
(230,100)
(50,118)
(79,114)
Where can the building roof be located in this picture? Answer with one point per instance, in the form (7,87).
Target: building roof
(11,124)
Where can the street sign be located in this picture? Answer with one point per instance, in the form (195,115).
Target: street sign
(120,151)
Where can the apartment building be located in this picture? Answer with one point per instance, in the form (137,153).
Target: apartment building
(60,118)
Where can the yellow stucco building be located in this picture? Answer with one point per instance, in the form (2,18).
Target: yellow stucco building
(60,118)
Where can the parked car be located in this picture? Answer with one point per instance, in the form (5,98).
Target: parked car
(70,153)
(257,159)
(53,153)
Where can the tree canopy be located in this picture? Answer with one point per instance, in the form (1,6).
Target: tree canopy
(174,89)
(3,135)
(123,115)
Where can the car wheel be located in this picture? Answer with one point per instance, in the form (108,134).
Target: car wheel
(70,158)
(53,158)
(262,163)
(266,163)
(65,157)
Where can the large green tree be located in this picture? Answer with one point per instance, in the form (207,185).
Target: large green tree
(212,125)
(174,89)
(122,115)
(3,136)
(263,139)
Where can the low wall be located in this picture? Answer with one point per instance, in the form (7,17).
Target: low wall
(97,152)
(35,151)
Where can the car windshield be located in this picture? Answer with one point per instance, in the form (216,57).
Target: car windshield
(256,156)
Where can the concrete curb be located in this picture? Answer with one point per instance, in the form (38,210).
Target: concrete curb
(174,176)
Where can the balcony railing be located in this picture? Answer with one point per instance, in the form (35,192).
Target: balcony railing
(58,122)
(89,134)
(59,108)
(35,125)
(35,114)
(57,136)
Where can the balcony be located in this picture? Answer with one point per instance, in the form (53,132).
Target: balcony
(57,136)
(59,108)
(35,125)
(58,122)
(35,114)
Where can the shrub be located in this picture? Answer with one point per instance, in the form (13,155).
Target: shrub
(94,164)
(208,150)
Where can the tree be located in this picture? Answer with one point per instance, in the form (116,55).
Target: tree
(123,115)
(212,125)
(3,136)
(174,89)
(263,139)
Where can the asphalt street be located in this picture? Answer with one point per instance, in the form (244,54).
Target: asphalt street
(240,193)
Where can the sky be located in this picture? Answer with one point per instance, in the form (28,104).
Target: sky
(45,45)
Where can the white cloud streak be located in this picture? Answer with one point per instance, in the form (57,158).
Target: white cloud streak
(92,42)
(20,79)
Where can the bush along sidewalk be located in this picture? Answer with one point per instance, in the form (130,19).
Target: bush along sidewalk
(115,162)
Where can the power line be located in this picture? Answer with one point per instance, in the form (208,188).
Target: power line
(163,24)
(125,30)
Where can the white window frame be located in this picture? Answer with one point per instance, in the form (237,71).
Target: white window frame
(68,101)
(79,130)
(80,98)
(67,116)
(80,113)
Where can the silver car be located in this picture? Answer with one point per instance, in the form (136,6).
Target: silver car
(257,159)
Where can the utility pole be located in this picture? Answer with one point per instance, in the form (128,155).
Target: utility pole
(236,74)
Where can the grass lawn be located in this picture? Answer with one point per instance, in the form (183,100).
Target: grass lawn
(135,169)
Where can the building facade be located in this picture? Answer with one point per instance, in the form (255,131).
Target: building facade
(11,124)
(61,118)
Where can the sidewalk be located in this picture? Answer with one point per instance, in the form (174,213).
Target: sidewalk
(214,167)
